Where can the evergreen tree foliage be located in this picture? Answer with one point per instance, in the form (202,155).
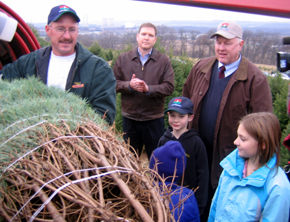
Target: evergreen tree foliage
(159,47)
(41,41)
(109,54)
(97,50)
(119,117)
(285,154)
(279,90)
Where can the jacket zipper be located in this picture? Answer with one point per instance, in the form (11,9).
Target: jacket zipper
(73,74)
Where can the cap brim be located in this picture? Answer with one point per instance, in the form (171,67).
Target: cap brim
(176,110)
(223,34)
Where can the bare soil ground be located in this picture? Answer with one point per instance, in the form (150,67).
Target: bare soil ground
(264,67)
(144,159)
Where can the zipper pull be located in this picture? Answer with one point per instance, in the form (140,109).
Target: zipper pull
(142,67)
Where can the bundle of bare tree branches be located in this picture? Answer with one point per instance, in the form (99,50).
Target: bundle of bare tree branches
(60,162)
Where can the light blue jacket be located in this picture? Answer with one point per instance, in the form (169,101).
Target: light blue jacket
(262,196)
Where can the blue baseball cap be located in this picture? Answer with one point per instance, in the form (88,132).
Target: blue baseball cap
(58,11)
(181,105)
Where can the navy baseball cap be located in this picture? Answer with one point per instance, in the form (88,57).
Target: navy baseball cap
(181,105)
(58,11)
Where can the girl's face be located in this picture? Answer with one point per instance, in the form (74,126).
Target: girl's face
(247,145)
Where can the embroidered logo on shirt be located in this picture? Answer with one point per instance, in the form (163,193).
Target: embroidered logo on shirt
(77,85)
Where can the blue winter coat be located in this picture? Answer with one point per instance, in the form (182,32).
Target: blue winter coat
(262,196)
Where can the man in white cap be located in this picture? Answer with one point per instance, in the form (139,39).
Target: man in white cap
(223,89)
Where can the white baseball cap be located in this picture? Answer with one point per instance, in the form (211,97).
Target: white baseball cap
(229,30)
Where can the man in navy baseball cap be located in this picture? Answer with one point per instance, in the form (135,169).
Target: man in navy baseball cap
(68,65)
(57,11)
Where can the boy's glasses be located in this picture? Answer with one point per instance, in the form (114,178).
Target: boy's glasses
(62,30)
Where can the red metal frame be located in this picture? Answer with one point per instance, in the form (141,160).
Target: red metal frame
(14,15)
(24,40)
(278,8)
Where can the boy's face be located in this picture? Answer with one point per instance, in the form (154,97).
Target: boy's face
(178,121)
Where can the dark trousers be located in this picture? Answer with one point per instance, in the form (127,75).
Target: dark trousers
(140,133)
(211,191)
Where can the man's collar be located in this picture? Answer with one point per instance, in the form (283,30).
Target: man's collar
(236,63)
(146,54)
(231,68)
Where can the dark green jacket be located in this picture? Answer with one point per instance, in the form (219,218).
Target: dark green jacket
(90,77)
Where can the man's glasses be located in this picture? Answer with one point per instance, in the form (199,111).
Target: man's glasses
(62,30)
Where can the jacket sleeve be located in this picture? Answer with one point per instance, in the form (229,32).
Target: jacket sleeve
(277,205)
(261,98)
(122,85)
(23,67)
(103,96)
(166,87)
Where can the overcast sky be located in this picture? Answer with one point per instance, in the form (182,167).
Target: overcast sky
(36,11)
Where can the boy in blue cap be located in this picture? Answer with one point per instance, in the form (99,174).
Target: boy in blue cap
(180,113)
(167,160)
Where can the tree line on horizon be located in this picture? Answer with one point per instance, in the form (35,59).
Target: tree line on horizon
(260,47)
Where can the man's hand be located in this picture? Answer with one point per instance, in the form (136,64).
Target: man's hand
(138,84)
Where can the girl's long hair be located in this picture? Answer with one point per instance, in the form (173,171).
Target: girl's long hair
(265,128)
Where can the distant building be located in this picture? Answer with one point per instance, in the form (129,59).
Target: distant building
(129,25)
(107,23)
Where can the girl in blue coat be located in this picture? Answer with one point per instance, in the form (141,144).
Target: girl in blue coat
(252,186)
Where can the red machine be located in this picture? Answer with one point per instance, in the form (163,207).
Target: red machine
(278,8)
(23,42)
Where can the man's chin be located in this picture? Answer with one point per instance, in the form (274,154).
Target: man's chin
(66,52)
(223,61)
(146,47)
